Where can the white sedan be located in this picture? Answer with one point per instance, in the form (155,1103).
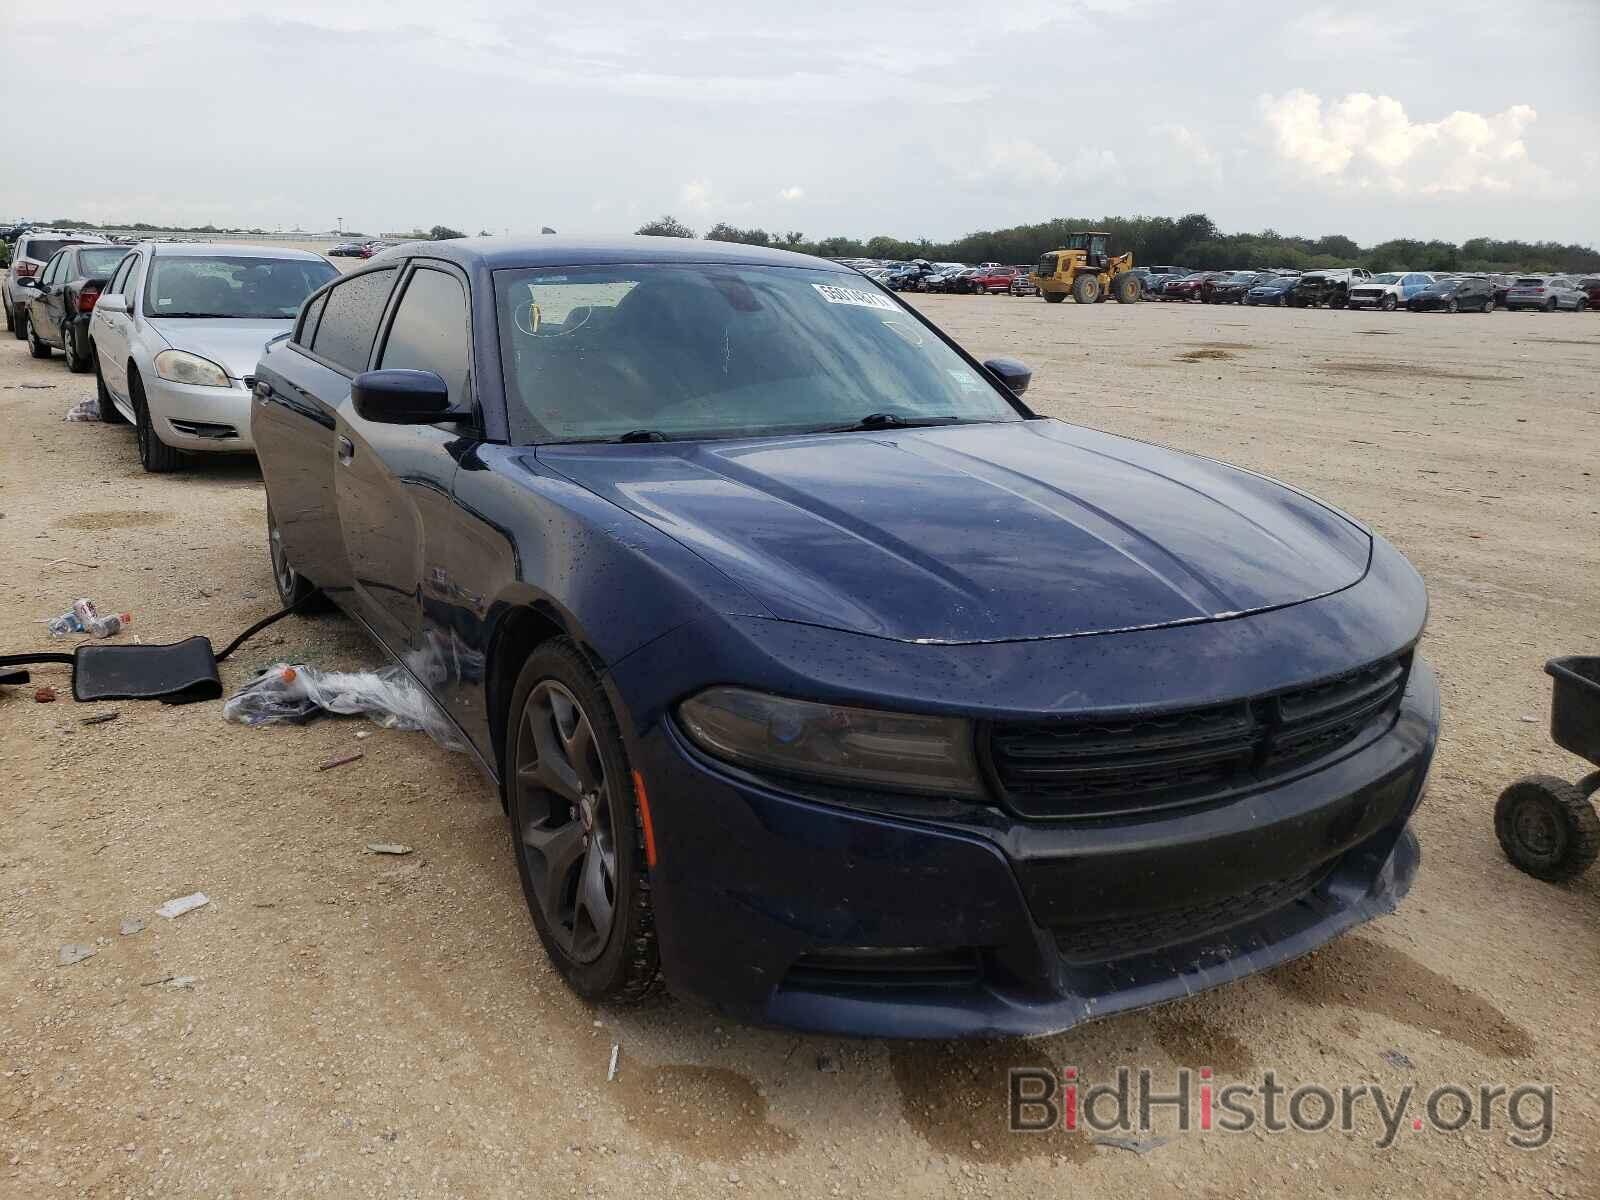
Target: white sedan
(176,335)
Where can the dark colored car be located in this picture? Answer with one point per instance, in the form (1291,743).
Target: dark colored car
(1275,290)
(1589,285)
(346,250)
(1231,286)
(1471,293)
(60,300)
(819,675)
(942,280)
(1330,287)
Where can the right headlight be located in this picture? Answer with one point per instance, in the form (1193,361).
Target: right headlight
(179,366)
(898,751)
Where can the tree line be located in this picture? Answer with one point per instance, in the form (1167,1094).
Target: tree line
(1192,240)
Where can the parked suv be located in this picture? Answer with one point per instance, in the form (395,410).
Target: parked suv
(32,251)
(1331,287)
(1546,292)
(1389,290)
(986,280)
(58,302)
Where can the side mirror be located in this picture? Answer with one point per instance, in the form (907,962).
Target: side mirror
(27,281)
(398,397)
(112,304)
(1015,375)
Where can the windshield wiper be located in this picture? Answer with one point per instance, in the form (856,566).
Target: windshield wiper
(889,420)
(641,435)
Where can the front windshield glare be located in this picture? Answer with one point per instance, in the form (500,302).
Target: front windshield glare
(220,286)
(696,351)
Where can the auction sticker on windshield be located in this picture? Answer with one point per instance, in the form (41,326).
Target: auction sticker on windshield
(844,295)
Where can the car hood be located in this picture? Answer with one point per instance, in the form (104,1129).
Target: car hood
(975,533)
(234,344)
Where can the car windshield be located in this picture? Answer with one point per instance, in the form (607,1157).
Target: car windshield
(668,351)
(99,260)
(224,286)
(1386,277)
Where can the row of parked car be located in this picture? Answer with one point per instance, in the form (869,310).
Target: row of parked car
(1353,287)
(361,249)
(171,330)
(921,275)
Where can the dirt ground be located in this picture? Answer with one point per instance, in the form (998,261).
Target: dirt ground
(341,1024)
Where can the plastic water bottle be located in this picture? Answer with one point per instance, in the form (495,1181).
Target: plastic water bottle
(64,625)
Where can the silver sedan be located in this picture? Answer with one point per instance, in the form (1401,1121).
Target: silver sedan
(177,331)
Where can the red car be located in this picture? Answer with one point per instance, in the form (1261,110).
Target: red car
(1187,288)
(987,280)
(1589,285)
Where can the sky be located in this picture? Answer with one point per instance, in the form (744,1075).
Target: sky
(915,118)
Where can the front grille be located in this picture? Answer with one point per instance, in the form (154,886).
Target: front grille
(851,969)
(205,429)
(1089,767)
(1129,936)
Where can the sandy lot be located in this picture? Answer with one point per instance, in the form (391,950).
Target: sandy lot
(368,1026)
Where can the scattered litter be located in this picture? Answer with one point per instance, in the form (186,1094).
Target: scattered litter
(342,760)
(85,410)
(1530,720)
(36,387)
(296,693)
(71,562)
(154,982)
(611,1072)
(173,909)
(130,926)
(102,718)
(388,848)
(362,734)
(181,981)
(1137,1145)
(827,1065)
(72,953)
(1395,1059)
(83,617)
(45,695)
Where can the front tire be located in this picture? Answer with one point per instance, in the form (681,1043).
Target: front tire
(154,455)
(1453,306)
(1488,305)
(1125,288)
(1547,828)
(576,828)
(1388,303)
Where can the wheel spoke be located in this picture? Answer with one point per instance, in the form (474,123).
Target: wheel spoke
(594,902)
(583,757)
(550,768)
(559,850)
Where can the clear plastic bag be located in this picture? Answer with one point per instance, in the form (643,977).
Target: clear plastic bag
(295,693)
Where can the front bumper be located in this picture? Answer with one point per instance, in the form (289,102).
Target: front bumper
(207,420)
(1368,300)
(752,879)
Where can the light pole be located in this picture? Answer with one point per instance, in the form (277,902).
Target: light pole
(340,222)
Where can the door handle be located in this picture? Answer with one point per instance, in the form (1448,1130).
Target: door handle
(347,450)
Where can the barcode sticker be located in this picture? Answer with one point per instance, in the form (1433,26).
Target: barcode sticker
(844,295)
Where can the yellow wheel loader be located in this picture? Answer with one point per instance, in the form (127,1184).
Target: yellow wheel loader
(1086,270)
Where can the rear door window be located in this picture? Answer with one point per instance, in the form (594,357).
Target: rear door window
(350,318)
(307,328)
(429,331)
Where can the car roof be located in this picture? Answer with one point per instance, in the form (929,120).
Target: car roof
(547,251)
(231,250)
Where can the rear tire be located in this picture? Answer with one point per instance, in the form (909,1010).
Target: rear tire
(1125,288)
(1551,305)
(294,589)
(109,412)
(1547,828)
(1453,306)
(1086,288)
(76,363)
(576,829)
(1488,305)
(35,347)
(14,319)
(154,455)
(11,318)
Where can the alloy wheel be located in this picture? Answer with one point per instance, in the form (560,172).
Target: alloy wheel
(566,832)
(282,573)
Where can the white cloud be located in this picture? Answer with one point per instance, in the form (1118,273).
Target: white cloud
(1369,142)
(1193,149)
(696,196)
(792,194)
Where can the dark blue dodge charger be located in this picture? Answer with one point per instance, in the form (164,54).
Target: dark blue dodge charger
(822,680)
